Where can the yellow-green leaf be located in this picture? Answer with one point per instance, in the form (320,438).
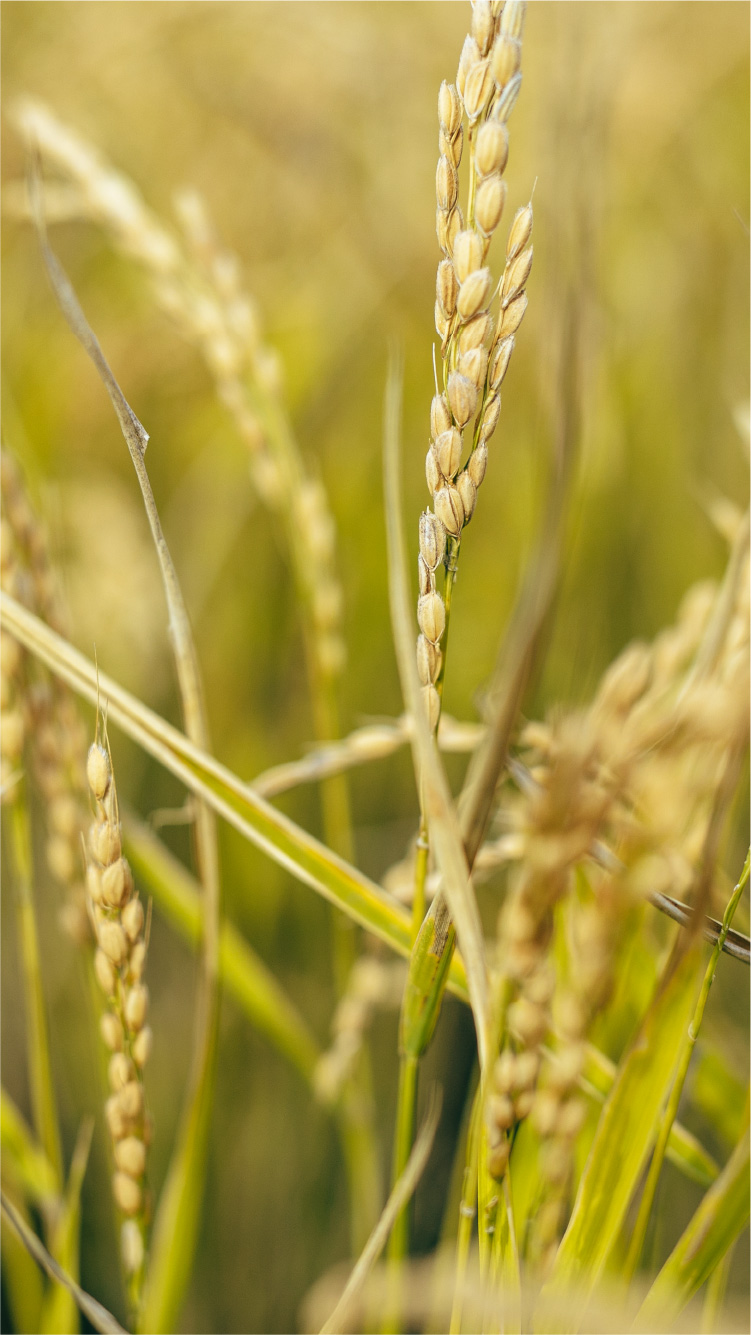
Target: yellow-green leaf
(626,1133)
(719,1219)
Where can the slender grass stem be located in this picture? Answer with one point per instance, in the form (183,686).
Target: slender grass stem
(398,1248)
(403,1137)
(686,1052)
(467,1211)
(357,1111)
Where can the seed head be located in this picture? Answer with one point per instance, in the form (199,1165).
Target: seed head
(131,1099)
(474,293)
(473,365)
(508,98)
(440,417)
(469,57)
(500,361)
(448,452)
(105,974)
(446,184)
(119,1071)
(489,202)
(468,253)
(432,540)
(526,1069)
(127,1193)
(446,288)
(521,230)
(104,842)
(477,463)
(130,1156)
(504,1072)
(462,397)
(118,1123)
(431,616)
(113,942)
(451,148)
(442,324)
(476,333)
(432,471)
(515,276)
(483,24)
(500,1111)
(98,771)
(468,492)
(425,577)
(116,882)
(505,59)
(523,1104)
(491,149)
(512,18)
(132,919)
(498,1157)
(428,661)
(449,508)
(513,315)
(136,1006)
(131,1246)
(94,884)
(141,1046)
(477,89)
(528,1021)
(137,960)
(490,414)
(449,109)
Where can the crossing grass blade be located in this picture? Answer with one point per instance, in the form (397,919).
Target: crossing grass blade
(59,1307)
(719,1220)
(400,1195)
(23,1157)
(22,1281)
(277,836)
(626,1133)
(97,1315)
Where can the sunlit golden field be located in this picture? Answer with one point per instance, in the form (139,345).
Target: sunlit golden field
(310,133)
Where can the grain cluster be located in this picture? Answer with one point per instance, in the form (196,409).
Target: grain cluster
(476,343)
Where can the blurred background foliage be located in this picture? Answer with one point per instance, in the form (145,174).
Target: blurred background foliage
(311,131)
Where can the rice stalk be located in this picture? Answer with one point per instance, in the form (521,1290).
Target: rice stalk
(177,1219)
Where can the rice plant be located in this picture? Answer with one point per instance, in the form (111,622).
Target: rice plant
(375,950)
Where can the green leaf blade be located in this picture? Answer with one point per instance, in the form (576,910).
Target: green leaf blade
(626,1133)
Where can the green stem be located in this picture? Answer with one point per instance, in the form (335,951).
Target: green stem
(37,1037)
(398,1248)
(467,1211)
(684,1059)
(403,1137)
(357,1111)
